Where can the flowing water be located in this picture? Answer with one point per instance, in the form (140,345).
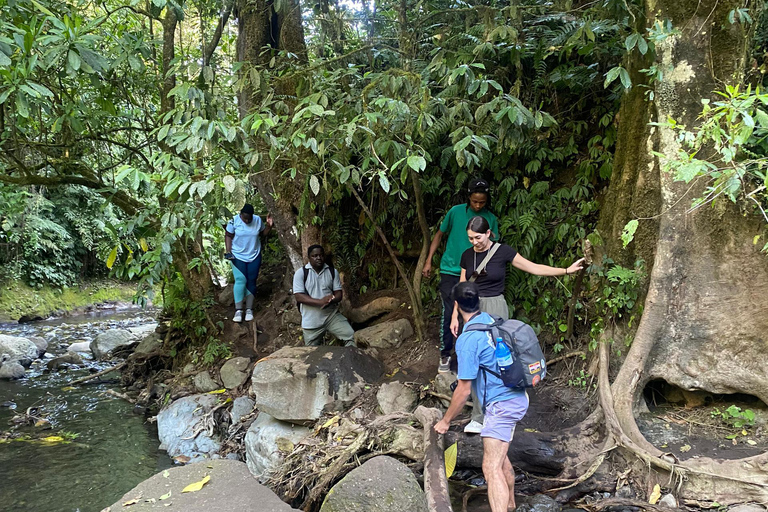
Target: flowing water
(110,446)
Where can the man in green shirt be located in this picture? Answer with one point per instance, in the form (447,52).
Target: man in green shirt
(454,226)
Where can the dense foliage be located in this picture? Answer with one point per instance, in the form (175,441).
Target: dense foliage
(124,139)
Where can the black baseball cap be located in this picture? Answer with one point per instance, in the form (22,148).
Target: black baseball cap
(479,185)
(247,209)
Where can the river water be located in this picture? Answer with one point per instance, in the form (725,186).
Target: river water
(112,446)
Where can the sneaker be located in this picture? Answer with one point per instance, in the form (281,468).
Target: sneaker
(248,315)
(445,365)
(473,427)
(238,316)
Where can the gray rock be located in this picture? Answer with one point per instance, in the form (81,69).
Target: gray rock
(668,500)
(11,370)
(40,343)
(396,397)
(268,441)
(182,419)
(408,442)
(109,340)
(231,489)
(242,406)
(626,493)
(151,343)
(539,503)
(442,385)
(205,383)
(226,296)
(298,384)
(81,347)
(64,361)
(384,335)
(747,507)
(233,373)
(18,348)
(380,485)
(142,331)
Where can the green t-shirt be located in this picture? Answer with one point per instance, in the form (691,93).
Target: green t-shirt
(454,225)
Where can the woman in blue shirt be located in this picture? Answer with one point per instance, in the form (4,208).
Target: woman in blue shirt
(243,244)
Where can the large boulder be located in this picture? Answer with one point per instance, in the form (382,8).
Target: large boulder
(396,397)
(152,343)
(40,343)
(382,484)
(142,331)
(298,384)
(231,488)
(234,372)
(205,383)
(19,349)
(81,347)
(181,430)
(109,340)
(384,335)
(268,441)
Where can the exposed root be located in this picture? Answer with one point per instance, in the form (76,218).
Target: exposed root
(98,374)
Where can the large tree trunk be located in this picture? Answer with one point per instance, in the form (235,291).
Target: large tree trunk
(706,317)
(259,26)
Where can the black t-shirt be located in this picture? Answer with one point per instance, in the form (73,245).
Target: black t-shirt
(491,281)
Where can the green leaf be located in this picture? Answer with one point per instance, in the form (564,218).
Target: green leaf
(611,75)
(628,234)
(417,163)
(642,45)
(314,184)
(624,77)
(229,183)
(73,59)
(384,182)
(163,132)
(4,60)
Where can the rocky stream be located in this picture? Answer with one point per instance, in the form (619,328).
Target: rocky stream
(70,448)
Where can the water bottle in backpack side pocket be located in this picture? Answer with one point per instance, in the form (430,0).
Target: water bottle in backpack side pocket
(503,358)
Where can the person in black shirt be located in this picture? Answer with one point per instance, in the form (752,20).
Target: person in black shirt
(490,280)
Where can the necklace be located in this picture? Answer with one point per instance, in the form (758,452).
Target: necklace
(475,255)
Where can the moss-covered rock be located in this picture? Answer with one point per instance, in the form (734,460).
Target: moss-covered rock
(17,300)
(382,484)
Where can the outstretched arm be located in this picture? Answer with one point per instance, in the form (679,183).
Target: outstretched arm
(545,270)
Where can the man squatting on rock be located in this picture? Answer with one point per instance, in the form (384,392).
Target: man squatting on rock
(317,289)
(503,406)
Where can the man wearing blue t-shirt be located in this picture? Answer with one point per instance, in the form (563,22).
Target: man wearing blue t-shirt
(504,406)
(243,243)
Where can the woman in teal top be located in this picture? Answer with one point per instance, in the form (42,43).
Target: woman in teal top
(243,243)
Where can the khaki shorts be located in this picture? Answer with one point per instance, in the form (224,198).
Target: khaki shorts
(337,325)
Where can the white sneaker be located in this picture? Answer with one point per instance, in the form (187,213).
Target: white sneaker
(248,315)
(238,316)
(473,427)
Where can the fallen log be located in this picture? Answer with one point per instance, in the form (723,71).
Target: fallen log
(529,451)
(435,480)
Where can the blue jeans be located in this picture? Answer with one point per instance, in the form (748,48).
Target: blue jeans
(245,274)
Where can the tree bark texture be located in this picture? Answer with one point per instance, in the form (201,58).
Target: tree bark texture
(261,33)
(705,321)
